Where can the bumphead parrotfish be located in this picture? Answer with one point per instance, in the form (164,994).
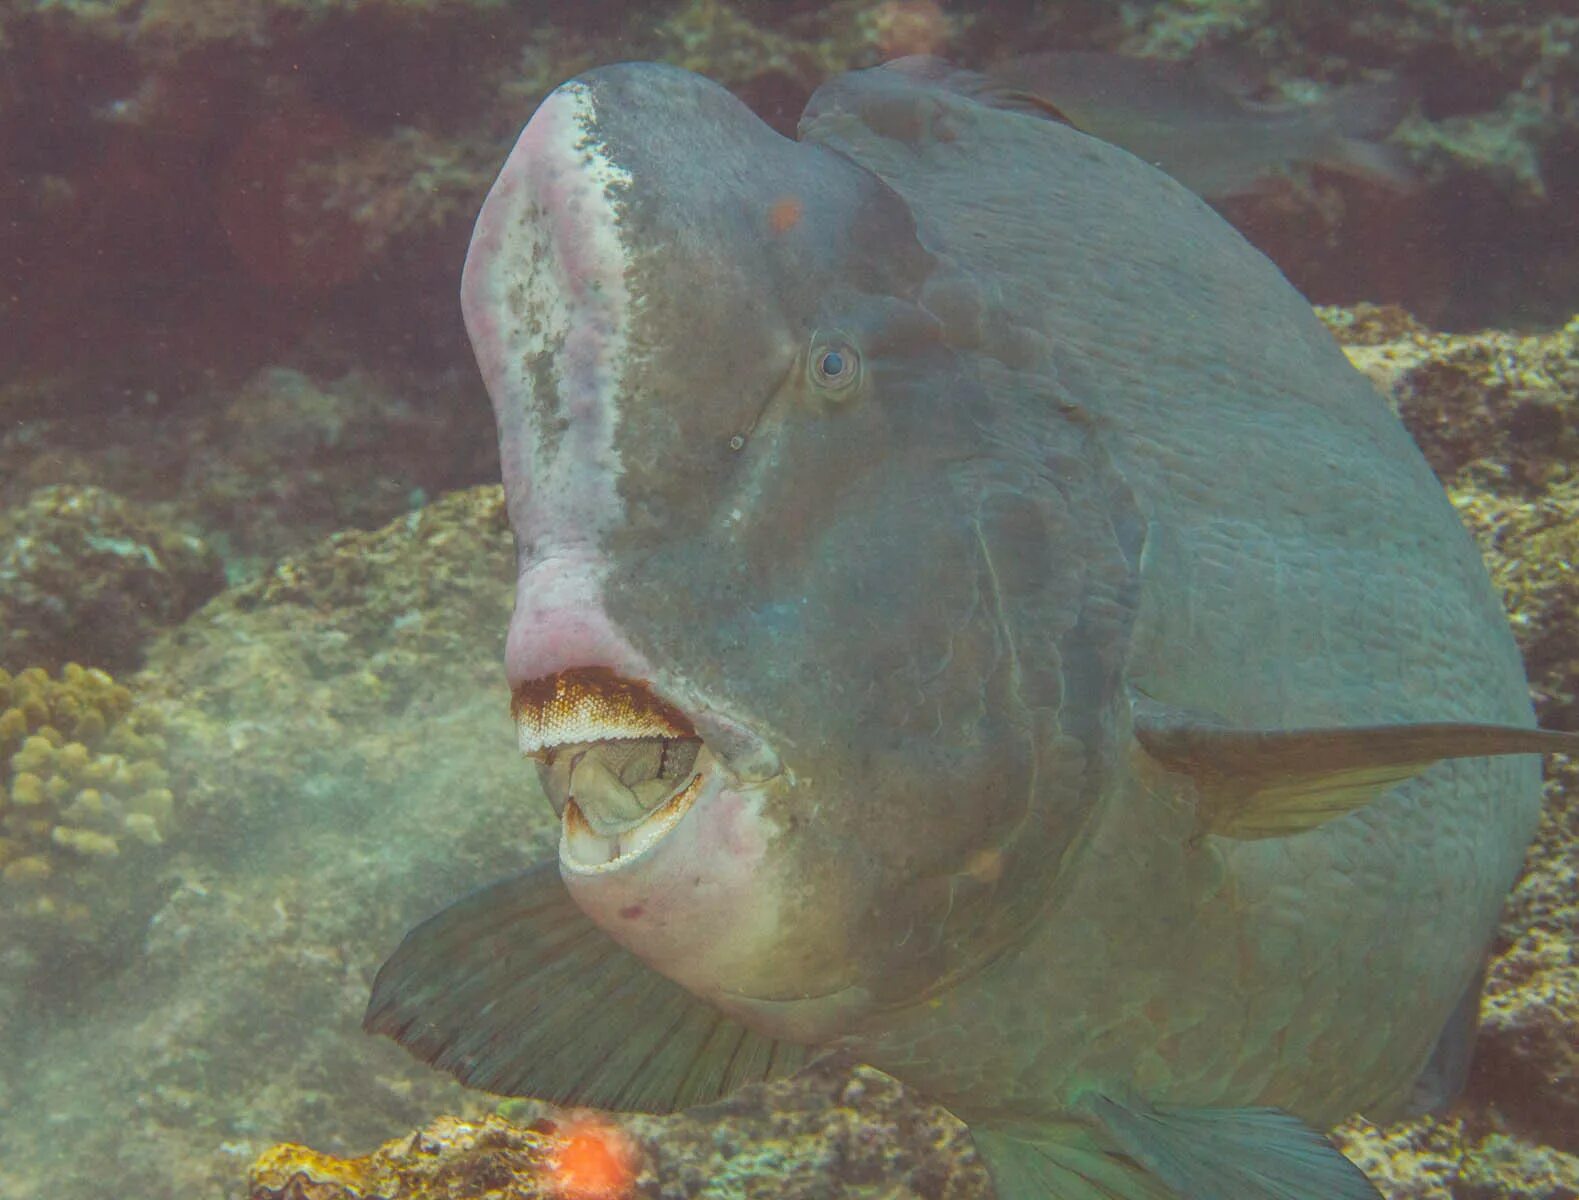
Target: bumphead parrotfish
(971,617)
(1192,120)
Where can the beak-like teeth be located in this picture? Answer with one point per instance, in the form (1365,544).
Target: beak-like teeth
(586,849)
(601,795)
(590,704)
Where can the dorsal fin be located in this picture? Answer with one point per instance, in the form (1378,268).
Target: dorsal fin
(1258,783)
(983,87)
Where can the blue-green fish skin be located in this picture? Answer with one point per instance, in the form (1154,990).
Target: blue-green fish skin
(1301,567)
(974,515)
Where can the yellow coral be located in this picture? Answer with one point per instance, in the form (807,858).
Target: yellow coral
(34,756)
(27,790)
(13,728)
(81,784)
(72,759)
(85,842)
(32,869)
(143,827)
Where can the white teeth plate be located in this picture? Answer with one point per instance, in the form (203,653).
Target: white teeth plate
(583,848)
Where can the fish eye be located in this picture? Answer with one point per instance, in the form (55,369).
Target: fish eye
(834,365)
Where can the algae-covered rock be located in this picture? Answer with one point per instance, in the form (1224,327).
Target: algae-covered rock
(489,1159)
(1490,408)
(264,467)
(86,575)
(832,1131)
(1457,1158)
(1527,1060)
(339,737)
(282,168)
(1497,415)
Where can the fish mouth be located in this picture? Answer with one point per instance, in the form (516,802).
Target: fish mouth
(620,765)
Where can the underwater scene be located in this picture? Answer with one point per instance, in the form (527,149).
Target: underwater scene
(748,598)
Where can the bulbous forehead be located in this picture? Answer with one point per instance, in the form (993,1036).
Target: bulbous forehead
(647,267)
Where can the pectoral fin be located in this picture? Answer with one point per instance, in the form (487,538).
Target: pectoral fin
(1245,1153)
(1060,1163)
(1259,783)
(515,991)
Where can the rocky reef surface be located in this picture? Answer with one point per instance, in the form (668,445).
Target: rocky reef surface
(120,513)
(195,186)
(333,737)
(85,573)
(325,730)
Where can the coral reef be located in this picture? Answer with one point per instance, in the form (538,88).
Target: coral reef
(833,1130)
(257,470)
(83,779)
(322,727)
(1496,415)
(336,727)
(829,1132)
(86,574)
(85,808)
(284,168)
(489,1159)
(1458,1159)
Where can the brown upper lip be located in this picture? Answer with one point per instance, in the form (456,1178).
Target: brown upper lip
(592,704)
(587,704)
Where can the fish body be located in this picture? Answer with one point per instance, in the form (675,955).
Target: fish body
(971,616)
(1186,120)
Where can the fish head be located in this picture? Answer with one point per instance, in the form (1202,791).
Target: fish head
(755,652)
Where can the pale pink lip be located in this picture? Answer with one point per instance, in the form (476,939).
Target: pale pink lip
(559,623)
(552,639)
(560,629)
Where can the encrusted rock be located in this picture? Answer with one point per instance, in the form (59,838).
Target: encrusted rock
(490,1159)
(1497,415)
(1458,1158)
(1527,1060)
(88,576)
(277,162)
